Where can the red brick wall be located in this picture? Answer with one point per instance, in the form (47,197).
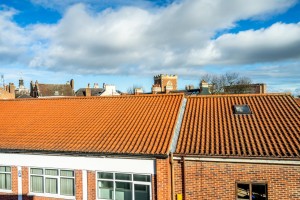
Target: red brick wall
(213,180)
(78,185)
(163,179)
(6,95)
(91,176)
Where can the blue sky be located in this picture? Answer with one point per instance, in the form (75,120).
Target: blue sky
(127,42)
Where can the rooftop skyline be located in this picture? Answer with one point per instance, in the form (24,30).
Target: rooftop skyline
(127,42)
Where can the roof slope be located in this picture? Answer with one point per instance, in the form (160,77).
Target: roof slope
(210,127)
(94,91)
(55,90)
(109,125)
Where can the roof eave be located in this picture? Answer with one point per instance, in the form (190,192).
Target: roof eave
(85,154)
(246,157)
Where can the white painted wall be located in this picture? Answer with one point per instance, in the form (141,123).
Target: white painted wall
(143,166)
(109,90)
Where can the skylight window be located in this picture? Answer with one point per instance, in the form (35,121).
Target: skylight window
(242,109)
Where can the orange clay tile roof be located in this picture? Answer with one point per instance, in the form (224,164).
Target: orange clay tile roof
(130,125)
(298,101)
(211,129)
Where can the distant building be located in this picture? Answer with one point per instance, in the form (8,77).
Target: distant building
(164,83)
(22,91)
(107,90)
(8,92)
(205,88)
(138,91)
(41,90)
(259,88)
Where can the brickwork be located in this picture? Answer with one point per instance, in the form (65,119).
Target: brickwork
(78,185)
(212,180)
(166,80)
(163,179)
(6,95)
(91,176)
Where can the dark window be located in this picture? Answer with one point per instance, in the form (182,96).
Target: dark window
(242,109)
(251,191)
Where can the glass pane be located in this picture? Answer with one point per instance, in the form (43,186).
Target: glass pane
(2,169)
(52,172)
(37,184)
(36,171)
(7,169)
(123,176)
(243,191)
(105,175)
(8,181)
(123,191)
(51,185)
(105,189)
(2,181)
(67,186)
(5,181)
(144,178)
(142,192)
(259,191)
(68,173)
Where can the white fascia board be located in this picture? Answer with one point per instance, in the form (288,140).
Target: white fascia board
(249,160)
(134,165)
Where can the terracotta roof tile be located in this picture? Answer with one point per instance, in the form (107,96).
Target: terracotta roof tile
(210,127)
(113,125)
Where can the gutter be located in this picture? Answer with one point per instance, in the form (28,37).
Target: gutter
(238,160)
(84,154)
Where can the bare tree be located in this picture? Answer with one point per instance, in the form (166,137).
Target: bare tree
(131,90)
(227,83)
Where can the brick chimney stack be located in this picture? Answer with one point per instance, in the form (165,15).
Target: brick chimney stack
(11,88)
(138,91)
(88,91)
(72,84)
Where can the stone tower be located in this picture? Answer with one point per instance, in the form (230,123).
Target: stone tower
(166,82)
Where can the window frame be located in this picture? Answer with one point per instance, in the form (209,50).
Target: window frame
(132,182)
(57,177)
(5,189)
(250,188)
(236,112)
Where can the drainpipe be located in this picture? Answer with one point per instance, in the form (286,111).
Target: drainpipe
(184,176)
(172,177)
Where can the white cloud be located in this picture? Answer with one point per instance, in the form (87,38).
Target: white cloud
(140,40)
(13,39)
(136,40)
(276,43)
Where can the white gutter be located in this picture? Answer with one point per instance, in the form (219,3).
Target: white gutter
(247,160)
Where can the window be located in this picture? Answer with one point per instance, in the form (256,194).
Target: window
(5,178)
(123,186)
(252,191)
(242,109)
(52,181)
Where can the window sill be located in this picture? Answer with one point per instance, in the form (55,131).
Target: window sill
(5,191)
(51,196)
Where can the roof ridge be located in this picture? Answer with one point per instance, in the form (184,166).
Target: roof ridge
(94,97)
(241,95)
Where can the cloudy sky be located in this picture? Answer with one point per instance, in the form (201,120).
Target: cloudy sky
(127,42)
